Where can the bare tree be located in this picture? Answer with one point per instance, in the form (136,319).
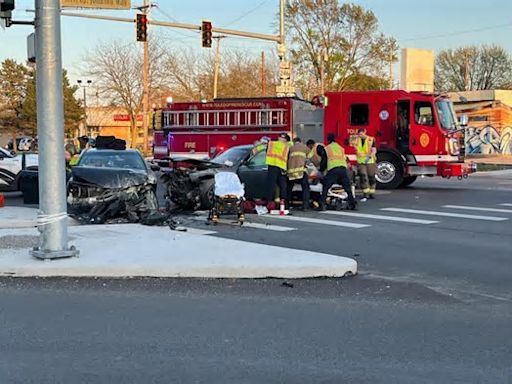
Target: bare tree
(473,68)
(117,70)
(343,39)
(190,75)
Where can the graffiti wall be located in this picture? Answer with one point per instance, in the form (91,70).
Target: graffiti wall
(489,131)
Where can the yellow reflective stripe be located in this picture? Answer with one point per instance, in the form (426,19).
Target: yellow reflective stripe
(298,154)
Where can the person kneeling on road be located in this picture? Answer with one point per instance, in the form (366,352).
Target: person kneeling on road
(297,171)
(366,163)
(277,161)
(336,168)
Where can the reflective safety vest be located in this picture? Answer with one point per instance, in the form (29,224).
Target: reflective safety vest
(74,160)
(314,157)
(364,151)
(258,148)
(335,156)
(277,154)
(297,161)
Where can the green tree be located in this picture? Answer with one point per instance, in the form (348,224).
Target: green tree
(473,68)
(73,110)
(345,37)
(13,83)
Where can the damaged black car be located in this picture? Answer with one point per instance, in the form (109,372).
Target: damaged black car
(110,184)
(190,182)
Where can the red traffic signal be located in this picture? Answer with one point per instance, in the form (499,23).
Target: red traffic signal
(142,27)
(206,32)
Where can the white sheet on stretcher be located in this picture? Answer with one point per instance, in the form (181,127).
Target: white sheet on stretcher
(228,183)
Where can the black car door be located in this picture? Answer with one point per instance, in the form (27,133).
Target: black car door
(253,174)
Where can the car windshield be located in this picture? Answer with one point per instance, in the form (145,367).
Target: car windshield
(119,159)
(446,114)
(234,155)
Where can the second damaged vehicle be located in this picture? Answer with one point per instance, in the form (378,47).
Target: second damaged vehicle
(111,184)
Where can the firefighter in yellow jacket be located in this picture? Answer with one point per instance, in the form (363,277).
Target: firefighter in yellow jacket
(277,162)
(297,171)
(366,162)
(336,167)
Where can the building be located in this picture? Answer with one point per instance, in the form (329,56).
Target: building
(113,121)
(417,70)
(489,130)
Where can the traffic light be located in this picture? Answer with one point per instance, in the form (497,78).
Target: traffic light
(206,32)
(142,27)
(6,8)
(6,5)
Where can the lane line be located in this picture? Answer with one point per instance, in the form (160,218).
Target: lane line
(382,217)
(321,221)
(506,204)
(483,209)
(267,227)
(446,214)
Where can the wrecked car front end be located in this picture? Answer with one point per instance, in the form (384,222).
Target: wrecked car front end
(98,195)
(189,183)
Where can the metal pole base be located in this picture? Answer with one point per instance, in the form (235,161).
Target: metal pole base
(51,255)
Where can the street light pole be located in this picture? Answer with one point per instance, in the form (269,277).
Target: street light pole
(52,219)
(88,82)
(145,87)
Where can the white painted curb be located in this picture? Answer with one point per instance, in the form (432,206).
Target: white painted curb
(132,250)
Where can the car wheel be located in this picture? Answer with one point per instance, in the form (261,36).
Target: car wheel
(408,180)
(208,194)
(390,171)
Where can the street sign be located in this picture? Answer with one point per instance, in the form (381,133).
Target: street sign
(105,4)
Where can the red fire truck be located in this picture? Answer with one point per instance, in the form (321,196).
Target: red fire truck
(201,130)
(417,133)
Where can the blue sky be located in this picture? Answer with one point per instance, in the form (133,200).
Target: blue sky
(433,24)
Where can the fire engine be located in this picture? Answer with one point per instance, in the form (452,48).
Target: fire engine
(416,133)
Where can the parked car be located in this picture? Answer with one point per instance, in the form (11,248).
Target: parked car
(11,165)
(109,183)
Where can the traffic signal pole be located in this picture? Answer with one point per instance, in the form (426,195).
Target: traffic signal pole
(145,87)
(52,219)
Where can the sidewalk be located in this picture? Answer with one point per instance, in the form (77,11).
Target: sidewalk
(130,250)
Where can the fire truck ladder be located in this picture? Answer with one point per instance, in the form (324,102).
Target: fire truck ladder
(242,118)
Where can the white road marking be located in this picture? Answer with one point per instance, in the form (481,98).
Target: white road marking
(268,227)
(381,217)
(506,205)
(196,231)
(478,208)
(321,221)
(446,214)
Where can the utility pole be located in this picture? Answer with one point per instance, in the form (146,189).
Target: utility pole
(322,58)
(391,69)
(52,219)
(216,65)
(263,75)
(84,87)
(145,86)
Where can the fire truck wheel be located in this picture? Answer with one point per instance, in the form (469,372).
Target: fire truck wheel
(390,171)
(207,194)
(408,180)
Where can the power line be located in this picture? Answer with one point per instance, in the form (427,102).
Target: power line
(246,13)
(456,33)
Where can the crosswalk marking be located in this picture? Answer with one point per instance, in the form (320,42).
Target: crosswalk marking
(321,221)
(381,217)
(483,209)
(268,227)
(446,214)
(506,204)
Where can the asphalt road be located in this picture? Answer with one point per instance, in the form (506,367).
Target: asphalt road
(432,304)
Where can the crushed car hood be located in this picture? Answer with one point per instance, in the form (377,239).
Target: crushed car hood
(109,177)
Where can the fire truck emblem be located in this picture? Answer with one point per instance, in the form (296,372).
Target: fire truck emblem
(424,139)
(384,115)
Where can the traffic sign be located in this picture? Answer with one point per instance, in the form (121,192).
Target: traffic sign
(105,4)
